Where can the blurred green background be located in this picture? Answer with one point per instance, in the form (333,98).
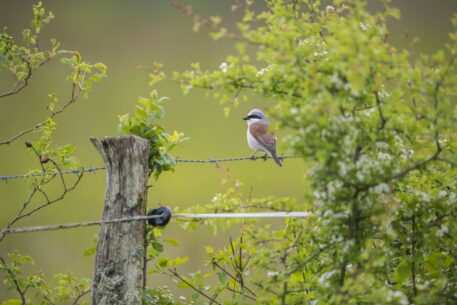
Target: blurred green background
(124,34)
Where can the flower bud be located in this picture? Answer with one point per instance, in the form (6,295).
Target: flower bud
(44,160)
(28,144)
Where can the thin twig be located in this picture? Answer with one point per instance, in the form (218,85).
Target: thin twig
(75,302)
(380,112)
(15,282)
(230,275)
(176,274)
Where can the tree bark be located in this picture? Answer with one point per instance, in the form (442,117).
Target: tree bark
(119,275)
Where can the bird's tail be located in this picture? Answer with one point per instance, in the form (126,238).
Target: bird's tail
(273,154)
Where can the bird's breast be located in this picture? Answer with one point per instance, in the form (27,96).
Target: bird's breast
(253,143)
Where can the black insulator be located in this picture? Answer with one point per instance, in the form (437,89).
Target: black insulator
(161,221)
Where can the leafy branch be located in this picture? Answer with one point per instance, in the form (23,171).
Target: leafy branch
(22,61)
(143,124)
(82,76)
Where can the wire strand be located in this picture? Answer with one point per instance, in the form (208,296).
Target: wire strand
(94,169)
(52,173)
(146,217)
(230,159)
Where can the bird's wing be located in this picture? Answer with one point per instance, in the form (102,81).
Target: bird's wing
(260,132)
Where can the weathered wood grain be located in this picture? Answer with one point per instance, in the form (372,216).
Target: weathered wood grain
(119,264)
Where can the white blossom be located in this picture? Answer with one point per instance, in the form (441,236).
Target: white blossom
(263,70)
(381,188)
(223,66)
(384,94)
(335,79)
(333,186)
(406,153)
(441,231)
(401,297)
(384,156)
(302,41)
(369,111)
(322,53)
(452,198)
(328,213)
(342,168)
(327,275)
(294,111)
(425,197)
(336,239)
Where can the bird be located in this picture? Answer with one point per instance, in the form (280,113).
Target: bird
(258,137)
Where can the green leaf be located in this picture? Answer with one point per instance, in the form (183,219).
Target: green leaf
(403,272)
(12,302)
(162,262)
(90,251)
(179,260)
(183,284)
(437,262)
(157,246)
(195,296)
(171,241)
(222,276)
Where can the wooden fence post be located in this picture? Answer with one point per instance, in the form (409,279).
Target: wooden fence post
(119,276)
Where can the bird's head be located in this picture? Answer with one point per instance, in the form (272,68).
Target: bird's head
(253,116)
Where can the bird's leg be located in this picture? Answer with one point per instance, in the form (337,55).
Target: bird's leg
(265,157)
(253,156)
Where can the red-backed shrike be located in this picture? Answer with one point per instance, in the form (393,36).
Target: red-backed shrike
(258,137)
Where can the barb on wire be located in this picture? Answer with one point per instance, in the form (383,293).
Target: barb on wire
(146,217)
(93,169)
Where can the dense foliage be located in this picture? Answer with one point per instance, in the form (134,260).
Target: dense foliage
(377,126)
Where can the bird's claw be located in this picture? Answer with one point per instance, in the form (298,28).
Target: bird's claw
(265,157)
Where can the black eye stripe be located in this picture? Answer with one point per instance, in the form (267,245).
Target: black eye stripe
(254,116)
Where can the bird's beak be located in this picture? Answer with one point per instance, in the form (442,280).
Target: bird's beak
(246,118)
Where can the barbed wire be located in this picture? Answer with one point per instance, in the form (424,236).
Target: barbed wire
(94,169)
(146,217)
(230,159)
(52,173)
